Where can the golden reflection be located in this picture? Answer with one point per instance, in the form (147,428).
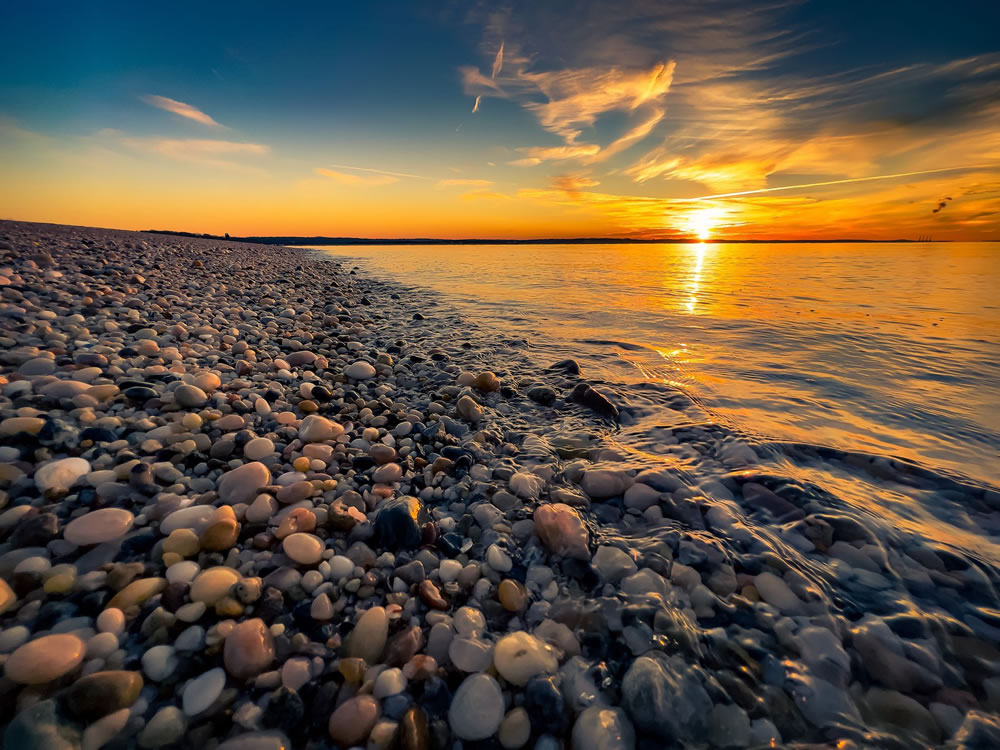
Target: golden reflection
(695,284)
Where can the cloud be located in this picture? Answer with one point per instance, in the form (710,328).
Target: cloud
(484,195)
(497,63)
(381,171)
(211,152)
(537,154)
(569,183)
(475,107)
(354,179)
(181,109)
(455,182)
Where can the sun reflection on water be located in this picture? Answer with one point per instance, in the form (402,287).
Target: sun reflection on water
(695,284)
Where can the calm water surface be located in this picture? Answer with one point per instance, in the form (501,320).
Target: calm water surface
(871,350)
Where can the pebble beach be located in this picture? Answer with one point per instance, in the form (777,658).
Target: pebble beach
(250,498)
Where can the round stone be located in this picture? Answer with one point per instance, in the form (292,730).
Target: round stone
(213,584)
(111,621)
(603,728)
(249,649)
(520,656)
(305,549)
(98,526)
(159,662)
(190,396)
(45,659)
(360,370)
(353,720)
(477,708)
(59,476)
(258,448)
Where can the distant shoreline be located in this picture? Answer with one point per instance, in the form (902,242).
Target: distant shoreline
(342,241)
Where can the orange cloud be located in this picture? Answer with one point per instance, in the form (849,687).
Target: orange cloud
(455,182)
(354,179)
(180,108)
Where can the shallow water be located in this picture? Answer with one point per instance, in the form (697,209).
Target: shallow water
(827,358)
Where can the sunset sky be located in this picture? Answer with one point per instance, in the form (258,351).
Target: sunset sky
(666,119)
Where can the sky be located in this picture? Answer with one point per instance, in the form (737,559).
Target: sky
(706,119)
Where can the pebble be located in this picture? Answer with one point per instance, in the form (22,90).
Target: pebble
(477,708)
(59,476)
(258,449)
(242,484)
(45,659)
(159,662)
(359,370)
(353,720)
(212,584)
(603,728)
(249,649)
(316,429)
(101,693)
(104,525)
(203,691)
(304,549)
(367,640)
(562,531)
(165,728)
(515,729)
(520,656)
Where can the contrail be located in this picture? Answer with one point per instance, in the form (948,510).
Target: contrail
(834,182)
(382,171)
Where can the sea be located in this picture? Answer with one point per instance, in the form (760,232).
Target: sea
(867,374)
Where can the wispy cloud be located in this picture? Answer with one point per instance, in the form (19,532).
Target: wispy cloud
(355,179)
(534,155)
(381,171)
(210,152)
(570,183)
(460,182)
(488,82)
(181,109)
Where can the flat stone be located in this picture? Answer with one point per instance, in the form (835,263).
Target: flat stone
(98,526)
(359,370)
(212,584)
(304,549)
(242,484)
(45,659)
(316,429)
(59,476)
(137,592)
(165,728)
(102,693)
(201,692)
(258,448)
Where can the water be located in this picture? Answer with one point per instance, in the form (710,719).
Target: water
(858,382)
(826,357)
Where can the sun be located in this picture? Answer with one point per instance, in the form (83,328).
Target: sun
(701,223)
